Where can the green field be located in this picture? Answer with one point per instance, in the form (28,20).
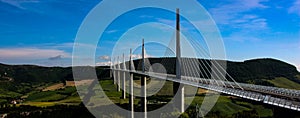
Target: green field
(39,104)
(46,96)
(2,101)
(298,77)
(8,94)
(67,95)
(284,83)
(226,106)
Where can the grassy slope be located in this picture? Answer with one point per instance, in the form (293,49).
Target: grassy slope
(54,87)
(224,105)
(5,94)
(284,83)
(2,100)
(298,77)
(227,107)
(50,98)
(45,96)
(67,95)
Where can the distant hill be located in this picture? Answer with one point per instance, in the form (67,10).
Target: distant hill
(36,74)
(17,80)
(257,71)
(31,73)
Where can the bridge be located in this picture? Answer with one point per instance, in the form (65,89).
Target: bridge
(281,97)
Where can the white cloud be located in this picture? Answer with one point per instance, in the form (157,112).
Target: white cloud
(166,21)
(111,31)
(252,24)
(298,68)
(58,45)
(139,56)
(105,57)
(146,16)
(108,63)
(30,53)
(85,45)
(63,45)
(295,8)
(134,56)
(241,37)
(237,16)
(234,14)
(18,3)
(162,27)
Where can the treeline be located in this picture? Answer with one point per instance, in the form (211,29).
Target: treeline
(254,71)
(38,74)
(258,69)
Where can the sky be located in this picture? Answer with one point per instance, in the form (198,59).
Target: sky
(43,32)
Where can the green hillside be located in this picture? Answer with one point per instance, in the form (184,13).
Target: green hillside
(30,73)
(16,80)
(256,71)
(284,83)
(38,74)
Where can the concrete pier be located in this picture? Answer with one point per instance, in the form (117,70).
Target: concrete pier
(124,79)
(119,75)
(177,89)
(131,97)
(143,85)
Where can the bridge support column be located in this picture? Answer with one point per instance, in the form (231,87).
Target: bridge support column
(111,69)
(143,85)
(124,86)
(124,79)
(114,71)
(179,99)
(131,98)
(119,76)
(144,96)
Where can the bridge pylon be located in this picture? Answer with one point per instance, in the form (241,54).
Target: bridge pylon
(119,75)
(143,85)
(114,71)
(177,88)
(131,97)
(124,79)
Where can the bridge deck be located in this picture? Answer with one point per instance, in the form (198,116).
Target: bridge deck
(265,94)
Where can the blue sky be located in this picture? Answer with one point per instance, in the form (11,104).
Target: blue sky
(43,31)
